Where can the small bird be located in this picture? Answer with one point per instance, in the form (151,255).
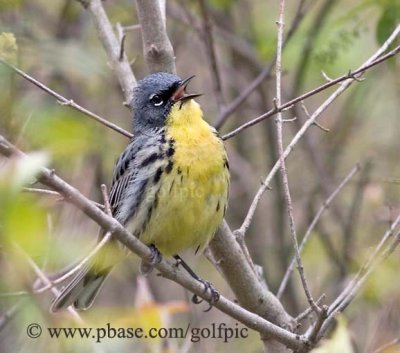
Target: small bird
(169,187)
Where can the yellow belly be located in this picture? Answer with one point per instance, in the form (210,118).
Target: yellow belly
(193,196)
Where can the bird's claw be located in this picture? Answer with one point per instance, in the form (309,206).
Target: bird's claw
(214,295)
(154,259)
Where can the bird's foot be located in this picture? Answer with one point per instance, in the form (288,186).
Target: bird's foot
(214,294)
(155,258)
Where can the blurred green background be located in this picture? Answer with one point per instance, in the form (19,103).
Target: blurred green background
(56,43)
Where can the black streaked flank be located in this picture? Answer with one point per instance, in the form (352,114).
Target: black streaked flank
(226,163)
(171,149)
(172,184)
(150,159)
(169,166)
(162,139)
(157,176)
(146,221)
(138,201)
(156,195)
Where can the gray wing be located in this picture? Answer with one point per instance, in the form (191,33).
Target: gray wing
(123,173)
(136,175)
(135,171)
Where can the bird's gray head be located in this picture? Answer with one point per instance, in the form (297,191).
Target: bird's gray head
(153,98)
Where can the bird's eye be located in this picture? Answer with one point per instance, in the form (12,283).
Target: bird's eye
(156,100)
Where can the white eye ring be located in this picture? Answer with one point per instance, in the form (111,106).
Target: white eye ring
(156,100)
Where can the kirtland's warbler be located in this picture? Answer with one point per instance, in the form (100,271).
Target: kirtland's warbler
(169,186)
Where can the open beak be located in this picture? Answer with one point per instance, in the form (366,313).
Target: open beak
(180,94)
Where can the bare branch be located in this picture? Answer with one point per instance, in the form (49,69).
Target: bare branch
(86,260)
(368,264)
(105,199)
(390,344)
(209,44)
(345,79)
(309,310)
(112,46)
(45,280)
(312,225)
(242,278)
(231,108)
(310,121)
(11,312)
(168,270)
(181,13)
(158,51)
(64,101)
(357,283)
(54,193)
(40,274)
(283,172)
(322,315)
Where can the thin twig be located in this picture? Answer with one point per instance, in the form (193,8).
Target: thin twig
(20,293)
(65,101)
(325,205)
(79,266)
(112,46)
(131,28)
(179,12)
(322,315)
(209,44)
(11,312)
(372,257)
(316,123)
(106,199)
(104,240)
(41,275)
(158,51)
(358,283)
(390,344)
(309,310)
(43,191)
(45,280)
(345,79)
(235,104)
(283,172)
(54,193)
(343,86)
(314,31)
(354,214)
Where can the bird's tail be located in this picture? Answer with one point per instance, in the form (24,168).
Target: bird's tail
(84,287)
(82,290)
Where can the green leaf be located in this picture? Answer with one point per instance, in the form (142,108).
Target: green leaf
(222,4)
(8,47)
(24,222)
(20,171)
(10,4)
(339,342)
(64,133)
(26,169)
(388,21)
(22,218)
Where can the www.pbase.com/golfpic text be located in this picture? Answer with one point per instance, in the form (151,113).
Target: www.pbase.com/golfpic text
(215,331)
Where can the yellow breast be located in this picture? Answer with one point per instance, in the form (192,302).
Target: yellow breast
(197,145)
(194,194)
